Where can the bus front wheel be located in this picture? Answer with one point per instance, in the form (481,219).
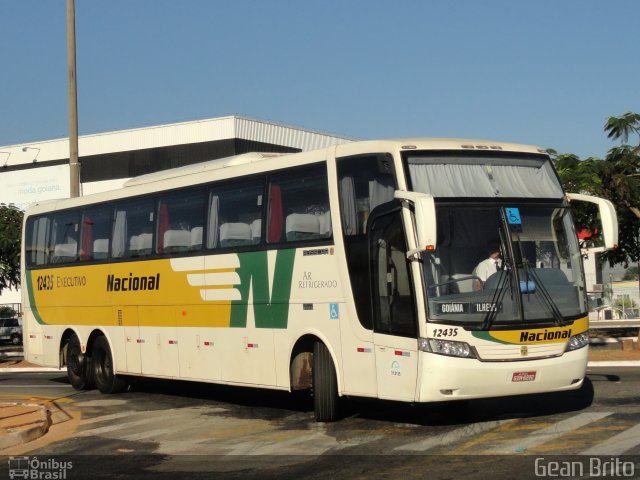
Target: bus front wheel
(103,375)
(325,386)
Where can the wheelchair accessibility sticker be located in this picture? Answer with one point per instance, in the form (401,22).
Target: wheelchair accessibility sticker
(334,312)
(513,216)
(514,220)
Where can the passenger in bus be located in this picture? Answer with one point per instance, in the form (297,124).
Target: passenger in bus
(490,265)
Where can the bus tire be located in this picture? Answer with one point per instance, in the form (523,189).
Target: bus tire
(102,365)
(325,386)
(16,339)
(76,365)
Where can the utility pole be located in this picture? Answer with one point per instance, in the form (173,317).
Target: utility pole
(74,163)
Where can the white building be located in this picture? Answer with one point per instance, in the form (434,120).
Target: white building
(38,171)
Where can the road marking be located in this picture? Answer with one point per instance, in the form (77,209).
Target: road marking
(105,418)
(113,428)
(451,437)
(151,433)
(618,444)
(556,430)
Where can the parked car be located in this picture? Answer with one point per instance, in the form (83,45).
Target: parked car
(10,331)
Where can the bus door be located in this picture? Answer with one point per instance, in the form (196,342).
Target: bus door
(395,326)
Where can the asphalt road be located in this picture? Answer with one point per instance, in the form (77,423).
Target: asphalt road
(189,430)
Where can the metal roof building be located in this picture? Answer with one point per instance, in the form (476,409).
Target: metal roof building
(39,171)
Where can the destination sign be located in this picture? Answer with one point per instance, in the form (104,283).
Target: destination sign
(445,308)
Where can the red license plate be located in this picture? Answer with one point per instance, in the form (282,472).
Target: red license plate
(523,376)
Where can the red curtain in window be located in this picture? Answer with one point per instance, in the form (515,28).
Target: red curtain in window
(274,227)
(86,249)
(163,225)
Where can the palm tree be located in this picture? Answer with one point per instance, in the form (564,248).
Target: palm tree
(621,127)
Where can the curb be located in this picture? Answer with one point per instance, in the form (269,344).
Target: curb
(621,363)
(32,369)
(32,429)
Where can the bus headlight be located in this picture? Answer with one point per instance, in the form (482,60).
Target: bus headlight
(578,341)
(446,347)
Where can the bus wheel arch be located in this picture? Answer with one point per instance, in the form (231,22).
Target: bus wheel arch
(313,367)
(301,363)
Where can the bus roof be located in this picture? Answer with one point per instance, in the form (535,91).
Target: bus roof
(341,150)
(199,168)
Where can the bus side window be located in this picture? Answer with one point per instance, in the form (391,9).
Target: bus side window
(180,219)
(133,230)
(65,233)
(364,182)
(37,235)
(394,312)
(300,200)
(94,235)
(235,214)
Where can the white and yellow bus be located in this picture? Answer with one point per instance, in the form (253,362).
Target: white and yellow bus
(348,271)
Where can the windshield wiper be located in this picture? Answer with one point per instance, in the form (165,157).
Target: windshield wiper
(544,293)
(496,299)
(506,274)
(551,304)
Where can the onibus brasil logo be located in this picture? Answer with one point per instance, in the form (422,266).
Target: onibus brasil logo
(36,469)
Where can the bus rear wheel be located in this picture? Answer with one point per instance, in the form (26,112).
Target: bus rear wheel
(325,385)
(103,375)
(77,371)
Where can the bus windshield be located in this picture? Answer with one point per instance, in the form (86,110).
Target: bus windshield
(503,265)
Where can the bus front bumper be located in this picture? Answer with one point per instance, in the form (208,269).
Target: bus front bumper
(450,378)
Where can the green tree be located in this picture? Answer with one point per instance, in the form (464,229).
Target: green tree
(10,230)
(631,274)
(624,301)
(616,178)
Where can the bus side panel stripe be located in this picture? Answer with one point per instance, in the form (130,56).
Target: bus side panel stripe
(32,299)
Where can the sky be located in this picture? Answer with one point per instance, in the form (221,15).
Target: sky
(543,72)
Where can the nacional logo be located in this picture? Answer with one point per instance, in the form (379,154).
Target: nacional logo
(544,336)
(133,283)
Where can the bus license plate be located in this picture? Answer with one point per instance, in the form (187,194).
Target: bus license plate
(523,376)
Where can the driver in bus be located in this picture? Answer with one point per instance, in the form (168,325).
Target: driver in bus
(490,265)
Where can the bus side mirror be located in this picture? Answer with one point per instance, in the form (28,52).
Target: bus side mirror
(425,219)
(608,217)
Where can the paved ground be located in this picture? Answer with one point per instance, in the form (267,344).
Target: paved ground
(189,430)
(23,420)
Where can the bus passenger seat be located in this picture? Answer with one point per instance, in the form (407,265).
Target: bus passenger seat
(100,248)
(140,244)
(325,224)
(235,234)
(177,241)
(145,241)
(302,226)
(195,239)
(134,244)
(65,252)
(256,228)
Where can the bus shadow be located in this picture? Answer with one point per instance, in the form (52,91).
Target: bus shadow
(481,410)
(240,402)
(246,402)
